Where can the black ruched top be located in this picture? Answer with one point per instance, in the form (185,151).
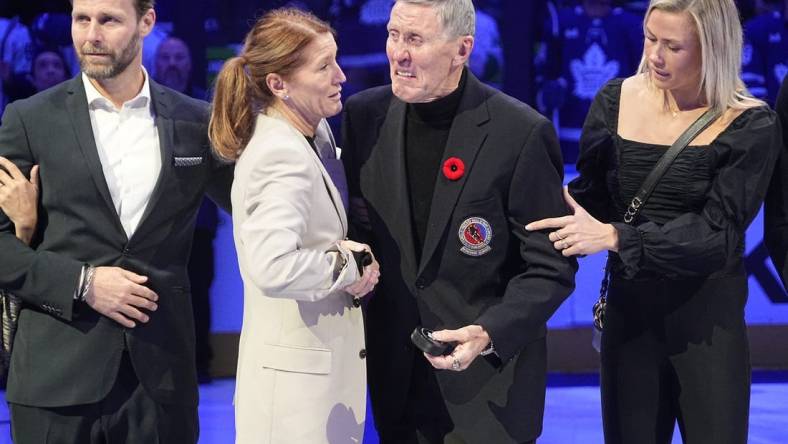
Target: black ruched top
(694,222)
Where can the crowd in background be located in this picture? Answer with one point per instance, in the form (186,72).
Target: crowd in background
(576,46)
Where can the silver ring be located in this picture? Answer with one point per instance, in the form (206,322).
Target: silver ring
(455,364)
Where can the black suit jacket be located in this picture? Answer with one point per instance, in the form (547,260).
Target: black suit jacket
(65,353)
(776,203)
(513,175)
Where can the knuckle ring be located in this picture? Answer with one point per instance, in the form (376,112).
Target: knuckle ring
(455,364)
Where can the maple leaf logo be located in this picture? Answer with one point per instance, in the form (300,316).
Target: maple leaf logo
(592,72)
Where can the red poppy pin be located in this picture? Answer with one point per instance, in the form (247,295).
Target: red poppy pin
(453,168)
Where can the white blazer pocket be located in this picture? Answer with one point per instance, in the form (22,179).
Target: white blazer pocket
(291,358)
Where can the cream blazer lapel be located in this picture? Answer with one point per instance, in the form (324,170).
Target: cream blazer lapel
(336,197)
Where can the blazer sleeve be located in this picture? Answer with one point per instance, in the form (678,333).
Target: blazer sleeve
(547,278)
(40,278)
(220,182)
(277,203)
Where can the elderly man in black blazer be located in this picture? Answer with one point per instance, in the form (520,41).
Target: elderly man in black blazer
(443,172)
(105,345)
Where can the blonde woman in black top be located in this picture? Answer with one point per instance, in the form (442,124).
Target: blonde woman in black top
(674,346)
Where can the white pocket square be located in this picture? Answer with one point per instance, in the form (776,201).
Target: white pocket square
(186,161)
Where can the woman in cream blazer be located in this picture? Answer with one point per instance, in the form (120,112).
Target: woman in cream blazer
(301,370)
(301,354)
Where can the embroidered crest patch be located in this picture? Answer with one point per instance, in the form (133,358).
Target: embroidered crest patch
(475,234)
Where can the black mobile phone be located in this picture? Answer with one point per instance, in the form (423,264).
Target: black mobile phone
(422,338)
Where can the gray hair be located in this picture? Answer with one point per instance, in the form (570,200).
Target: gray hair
(720,34)
(457,17)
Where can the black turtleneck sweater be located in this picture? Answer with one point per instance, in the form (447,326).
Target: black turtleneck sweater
(426,131)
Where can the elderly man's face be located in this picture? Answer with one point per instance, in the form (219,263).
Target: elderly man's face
(173,64)
(423,61)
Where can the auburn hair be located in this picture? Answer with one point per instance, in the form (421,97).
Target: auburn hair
(274,45)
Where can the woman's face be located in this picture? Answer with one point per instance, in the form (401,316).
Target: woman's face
(48,71)
(673,51)
(315,88)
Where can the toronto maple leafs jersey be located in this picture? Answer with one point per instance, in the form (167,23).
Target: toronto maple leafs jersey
(765,55)
(583,53)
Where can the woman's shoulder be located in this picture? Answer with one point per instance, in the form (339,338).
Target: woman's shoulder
(604,111)
(742,122)
(635,87)
(273,138)
(754,129)
(610,92)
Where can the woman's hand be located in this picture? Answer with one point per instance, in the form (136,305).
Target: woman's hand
(19,198)
(579,233)
(370,274)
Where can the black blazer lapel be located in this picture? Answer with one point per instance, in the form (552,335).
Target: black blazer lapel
(162,108)
(77,105)
(466,137)
(392,202)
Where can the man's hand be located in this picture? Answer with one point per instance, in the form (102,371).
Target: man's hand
(120,295)
(19,198)
(471,340)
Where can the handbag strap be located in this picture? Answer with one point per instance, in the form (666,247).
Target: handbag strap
(643,194)
(665,161)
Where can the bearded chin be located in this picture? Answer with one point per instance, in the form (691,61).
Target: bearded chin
(117,64)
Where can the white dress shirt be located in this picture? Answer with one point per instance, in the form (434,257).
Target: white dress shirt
(128,146)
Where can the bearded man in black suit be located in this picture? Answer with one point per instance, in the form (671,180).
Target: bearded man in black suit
(105,345)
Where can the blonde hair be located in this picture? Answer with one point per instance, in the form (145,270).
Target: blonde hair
(274,45)
(719,31)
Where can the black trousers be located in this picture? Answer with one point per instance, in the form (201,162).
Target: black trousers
(676,351)
(127,415)
(426,420)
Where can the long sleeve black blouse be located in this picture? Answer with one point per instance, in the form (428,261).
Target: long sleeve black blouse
(693,225)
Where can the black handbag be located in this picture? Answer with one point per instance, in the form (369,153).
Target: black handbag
(637,202)
(10,306)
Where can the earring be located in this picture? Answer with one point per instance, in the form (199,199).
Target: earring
(286,97)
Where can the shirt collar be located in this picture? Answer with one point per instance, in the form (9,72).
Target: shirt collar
(95,99)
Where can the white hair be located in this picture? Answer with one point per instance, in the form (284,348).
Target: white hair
(457,17)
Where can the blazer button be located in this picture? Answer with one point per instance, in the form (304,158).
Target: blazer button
(357,302)
(362,354)
(421,283)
